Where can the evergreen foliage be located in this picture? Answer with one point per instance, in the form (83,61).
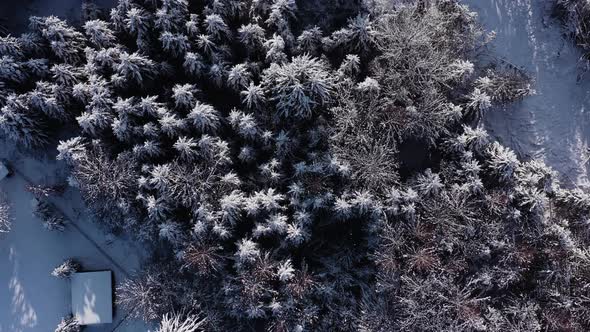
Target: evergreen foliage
(575,14)
(264,159)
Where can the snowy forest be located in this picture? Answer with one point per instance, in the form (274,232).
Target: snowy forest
(302,165)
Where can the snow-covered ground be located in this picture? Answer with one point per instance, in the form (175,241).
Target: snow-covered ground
(30,298)
(554,124)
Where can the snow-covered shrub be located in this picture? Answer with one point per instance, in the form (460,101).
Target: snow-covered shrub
(66,269)
(51,218)
(68,324)
(505,84)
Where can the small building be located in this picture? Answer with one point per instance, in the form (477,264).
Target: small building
(92,297)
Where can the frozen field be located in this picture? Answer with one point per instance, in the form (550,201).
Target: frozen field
(552,125)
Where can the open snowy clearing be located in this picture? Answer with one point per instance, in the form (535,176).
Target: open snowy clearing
(30,298)
(553,124)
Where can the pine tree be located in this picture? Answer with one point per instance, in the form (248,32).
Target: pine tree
(65,42)
(479,101)
(187,148)
(428,183)
(10,46)
(350,66)
(502,161)
(194,64)
(175,44)
(171,125)
(11,70)
(297,87)
(99,34)
(192,26)
(252,36)
(358,36)
(216,27)
(247,252)
(239,77)
(183,95)
(135,67)
(476,139)
(51,218)
(310,41)
(21,125)
(275,49)
(137,21)
(71,150)
(204,117)
(253,96)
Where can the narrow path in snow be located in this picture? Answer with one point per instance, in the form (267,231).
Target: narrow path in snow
(553,125)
